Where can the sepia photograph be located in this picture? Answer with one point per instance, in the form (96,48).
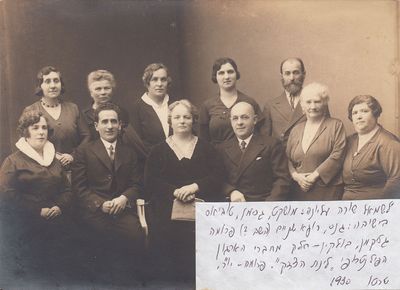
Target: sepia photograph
(138,138)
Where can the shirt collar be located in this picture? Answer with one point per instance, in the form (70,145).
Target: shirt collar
(150,102)
(107,144)
(247,140)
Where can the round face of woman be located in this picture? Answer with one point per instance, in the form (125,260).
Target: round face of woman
(364,120)
(158,84)
(313,106)
(181,119)
(38,134)
(51,85)
(226,76)
(101,91)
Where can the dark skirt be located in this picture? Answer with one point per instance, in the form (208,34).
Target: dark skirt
(317,192)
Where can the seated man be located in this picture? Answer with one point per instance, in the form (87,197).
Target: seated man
(256,165)
(106,180)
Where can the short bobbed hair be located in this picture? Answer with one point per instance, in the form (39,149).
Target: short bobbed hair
(39,79)
(29,118)
(316,89)
(149,71)
(106,107)
(220,62)
(372,103)
(101,75)
(192,109)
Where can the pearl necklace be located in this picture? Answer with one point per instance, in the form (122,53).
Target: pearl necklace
(49,106)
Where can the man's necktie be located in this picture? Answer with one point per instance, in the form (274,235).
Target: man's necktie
(111,153)
(292,101)
(243,145)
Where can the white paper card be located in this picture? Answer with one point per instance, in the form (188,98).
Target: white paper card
(298,245)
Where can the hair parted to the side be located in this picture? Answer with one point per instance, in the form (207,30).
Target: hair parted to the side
(44,71)
(372,103)
(220,62)
(192,109)
(28,118)
(149,71)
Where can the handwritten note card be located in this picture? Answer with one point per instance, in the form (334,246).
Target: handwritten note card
(298,245)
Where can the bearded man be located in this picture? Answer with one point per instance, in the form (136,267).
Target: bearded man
(284,112)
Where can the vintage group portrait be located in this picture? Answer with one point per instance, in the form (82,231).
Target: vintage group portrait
(118,117)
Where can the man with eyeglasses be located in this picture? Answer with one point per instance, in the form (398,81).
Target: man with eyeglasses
(284,112)
(256,165)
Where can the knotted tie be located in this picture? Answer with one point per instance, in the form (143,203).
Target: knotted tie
(292,101)
(111,153)
(243,145)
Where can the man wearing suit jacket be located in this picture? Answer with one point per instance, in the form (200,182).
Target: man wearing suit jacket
(106,180)
(256,165)
(284,112)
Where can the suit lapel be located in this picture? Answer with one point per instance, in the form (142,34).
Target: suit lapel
(233,151)
(255,146)
(120,154)
(282,107)
(296,115)
(100,151)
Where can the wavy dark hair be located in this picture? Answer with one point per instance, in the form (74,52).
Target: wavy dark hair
(39,79)
(28,118)
(372,103)
(220,62)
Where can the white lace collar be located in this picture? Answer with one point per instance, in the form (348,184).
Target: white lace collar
(48,152)
(182,153)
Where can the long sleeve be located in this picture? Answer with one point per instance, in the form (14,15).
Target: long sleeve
(80,184)
(332,165)
(389,157)
(83,129)
(267,119)
(204,123)
(9,189)
(210,185)
(155,186)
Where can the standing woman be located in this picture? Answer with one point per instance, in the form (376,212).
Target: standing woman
(101,85)
(215,125)
(371,168)
(183,167)
(150,112)
(316,149)
(70,129)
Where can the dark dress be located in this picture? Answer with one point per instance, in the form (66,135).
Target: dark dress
(374,172)
(147,125)
(174,241)
(26,187)
(70,129)
(214,119)
(325,155)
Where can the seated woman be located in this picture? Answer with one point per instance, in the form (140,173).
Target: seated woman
(35,196)
(183,167)
(64,118)
(316,149)
(215,124)
(371,168)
